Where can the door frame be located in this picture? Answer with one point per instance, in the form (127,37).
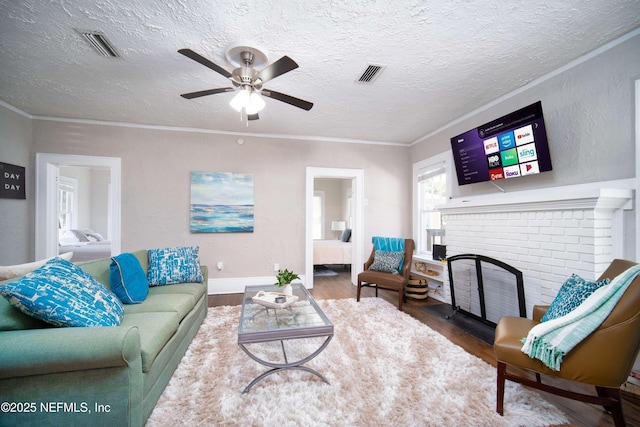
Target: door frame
(637,210)
(357,232)
(46,227)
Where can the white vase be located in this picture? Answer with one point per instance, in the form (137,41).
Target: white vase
(287,290)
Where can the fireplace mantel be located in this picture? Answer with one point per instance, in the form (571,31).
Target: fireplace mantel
(608,195)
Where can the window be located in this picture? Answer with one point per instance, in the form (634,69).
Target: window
(66,205)
(431,188)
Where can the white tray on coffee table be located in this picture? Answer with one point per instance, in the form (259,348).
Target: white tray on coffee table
(268,299)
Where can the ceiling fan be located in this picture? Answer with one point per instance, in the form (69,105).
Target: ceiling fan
(248,81)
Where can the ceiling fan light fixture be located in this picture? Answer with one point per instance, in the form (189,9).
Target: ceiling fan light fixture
(240,100)
(251,101)
(255,104)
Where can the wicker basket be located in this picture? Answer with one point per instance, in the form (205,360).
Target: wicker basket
(417,289)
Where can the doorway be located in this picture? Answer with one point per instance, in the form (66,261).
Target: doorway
(47,184)
(357,217)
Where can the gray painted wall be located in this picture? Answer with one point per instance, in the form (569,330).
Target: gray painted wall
(589,116)
(156,166)
(17,216)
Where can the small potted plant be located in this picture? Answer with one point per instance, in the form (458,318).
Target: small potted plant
(285,277)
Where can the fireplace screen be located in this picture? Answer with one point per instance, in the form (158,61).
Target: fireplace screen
(485,288)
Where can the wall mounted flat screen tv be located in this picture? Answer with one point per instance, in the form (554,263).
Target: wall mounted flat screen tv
(512,146)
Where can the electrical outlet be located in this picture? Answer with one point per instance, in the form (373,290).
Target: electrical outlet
(220,265)
(276,267)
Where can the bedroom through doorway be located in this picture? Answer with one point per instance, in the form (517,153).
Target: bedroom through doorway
(61,217)
(334,218)
(332,226)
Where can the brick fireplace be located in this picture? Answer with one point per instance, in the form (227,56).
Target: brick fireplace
(548,234)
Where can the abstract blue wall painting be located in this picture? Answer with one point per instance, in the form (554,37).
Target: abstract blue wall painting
(221,202)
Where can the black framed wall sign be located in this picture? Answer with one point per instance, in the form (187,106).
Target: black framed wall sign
(12,181)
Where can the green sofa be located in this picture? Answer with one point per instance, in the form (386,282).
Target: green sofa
(111,376)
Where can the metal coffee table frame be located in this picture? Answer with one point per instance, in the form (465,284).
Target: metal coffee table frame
(303,319)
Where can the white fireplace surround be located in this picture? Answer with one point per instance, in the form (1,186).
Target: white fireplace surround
(547,233)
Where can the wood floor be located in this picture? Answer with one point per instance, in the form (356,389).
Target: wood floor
(339,287)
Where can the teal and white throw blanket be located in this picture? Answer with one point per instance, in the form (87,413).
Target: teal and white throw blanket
(551,340)
(389,244)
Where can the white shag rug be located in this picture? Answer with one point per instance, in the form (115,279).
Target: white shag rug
(385,368)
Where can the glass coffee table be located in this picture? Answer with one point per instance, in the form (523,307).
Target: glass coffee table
(300,320)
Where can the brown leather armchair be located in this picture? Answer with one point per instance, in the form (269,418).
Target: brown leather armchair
(604,359)
(389,281)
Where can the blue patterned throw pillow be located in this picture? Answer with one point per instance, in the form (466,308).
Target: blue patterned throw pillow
(128,279)
(62,294)
(387,261)
(572,293)
(174,265)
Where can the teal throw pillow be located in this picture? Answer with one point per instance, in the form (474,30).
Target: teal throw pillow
(174,265)
(572,293)
(387,261)
(12,319)
(62,294)
(128,280)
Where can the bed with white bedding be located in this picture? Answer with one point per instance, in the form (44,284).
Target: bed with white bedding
(86,251)
(85,245)
(331,252)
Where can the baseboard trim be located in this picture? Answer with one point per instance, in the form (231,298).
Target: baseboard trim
(235,285)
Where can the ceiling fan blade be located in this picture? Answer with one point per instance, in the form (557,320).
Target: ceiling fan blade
(252,116)
(278,68)
(204,61)
(192,95)
(296,102)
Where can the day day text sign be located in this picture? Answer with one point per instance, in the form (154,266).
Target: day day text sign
(12,181)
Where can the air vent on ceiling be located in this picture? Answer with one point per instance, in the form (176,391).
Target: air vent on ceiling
(371,73)
(100,43)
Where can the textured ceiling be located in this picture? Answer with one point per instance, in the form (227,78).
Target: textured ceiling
(443,59)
